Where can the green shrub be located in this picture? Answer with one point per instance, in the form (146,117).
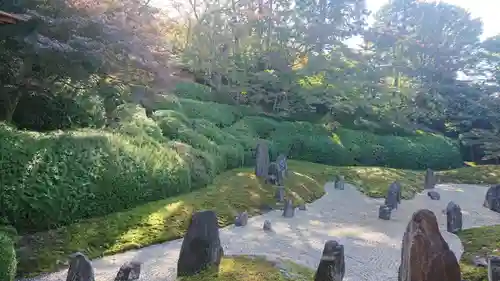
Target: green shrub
(58,178)
(221,115)
(263,127)
(195,91)
(131,119)
(171,123)
(8,262)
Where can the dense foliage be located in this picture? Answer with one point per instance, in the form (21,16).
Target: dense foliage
(8,262)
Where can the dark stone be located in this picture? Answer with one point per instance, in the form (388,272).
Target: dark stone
(492,200)
(393,197)
(273,175)
(241,219)
(129,271)
(201,248)
(282,165)
(384,212)
(425,255)
(280,194)
(339,182)
(479,261)
(453,217)
(80,268)
(494,268)
(267,226)
(434,195)
(261,159)
(430,179)
(332,264)
(302,207)
(289,210)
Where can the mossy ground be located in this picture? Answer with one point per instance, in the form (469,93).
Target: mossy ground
(252,269)
(484,174)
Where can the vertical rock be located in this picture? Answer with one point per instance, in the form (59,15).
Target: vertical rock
(280,194)
(492,199)
(339,182)
(384,212)
(332,264)
(282,165)
(289,210)
(494,268)
(273,176)
(430,179)
(129,271)
(425,255)
(261,159)
(201,248)
(393,197)
(80,268)
(267,226)
(453,217)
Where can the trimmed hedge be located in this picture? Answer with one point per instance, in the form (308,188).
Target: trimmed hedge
(8,262)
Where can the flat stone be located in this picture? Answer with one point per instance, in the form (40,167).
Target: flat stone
(434,195)
(129,271)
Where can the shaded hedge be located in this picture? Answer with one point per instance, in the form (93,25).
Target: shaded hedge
(8,262)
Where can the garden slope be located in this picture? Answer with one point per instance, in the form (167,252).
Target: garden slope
(58,178)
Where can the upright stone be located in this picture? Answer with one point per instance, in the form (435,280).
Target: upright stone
(80,268)
(261,159)
(267,226)
(494,268)
(129,271)
(280,194)
(393,197)
(492,200)
(272,174)
(201,248)
(282,165)
(339,182)
(332,264)
(288,210)
(453,217)
(425,255)
(241,219)
(430,179)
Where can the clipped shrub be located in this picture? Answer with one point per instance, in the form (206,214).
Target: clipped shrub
(195,91)
(8,262)
(171,123)
(261,126)
(222,115)
(131,119)
(54,179)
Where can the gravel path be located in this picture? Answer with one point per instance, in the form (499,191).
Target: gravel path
(372,246)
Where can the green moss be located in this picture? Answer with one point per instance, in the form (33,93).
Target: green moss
(487,174)
(7,258)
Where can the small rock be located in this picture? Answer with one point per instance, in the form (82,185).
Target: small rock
(434,195)
(80,268)
(384,212)
(332,264)
(267,226)
(479,261)
(289,210)
(339,182)
(129,271)
(241,219)
(302,207)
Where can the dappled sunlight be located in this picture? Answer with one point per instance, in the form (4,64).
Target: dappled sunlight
(305,176)
(247,174)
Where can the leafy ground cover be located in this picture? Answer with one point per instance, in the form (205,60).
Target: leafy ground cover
(253,269)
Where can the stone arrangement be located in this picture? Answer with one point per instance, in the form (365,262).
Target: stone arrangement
(288,210)
(425,255)
(339,182)
(332,264)
(494,268)
(492,200)
(261,159)
(384,212)
(241,219)
(453,217)
(80,269)
(434,195)
(430,179)
(201,247)
(393,197)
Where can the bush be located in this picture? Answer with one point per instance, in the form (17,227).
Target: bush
(221,115)
(58,178)
(194,91)
(8,262)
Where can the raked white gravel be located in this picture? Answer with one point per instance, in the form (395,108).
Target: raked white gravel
(372,246)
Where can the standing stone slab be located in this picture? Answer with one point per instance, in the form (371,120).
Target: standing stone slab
(241,219)
(267,226)
(261,159)
(280,194)
(494,268)
(339,182)
(289,210)
(430,179)
(393,197)
(282,165)
(492,199)
(425,255)
(453,217)
(201,247)
(384,212)
(129,271)
(80,268)
(332,264)
(273,175)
